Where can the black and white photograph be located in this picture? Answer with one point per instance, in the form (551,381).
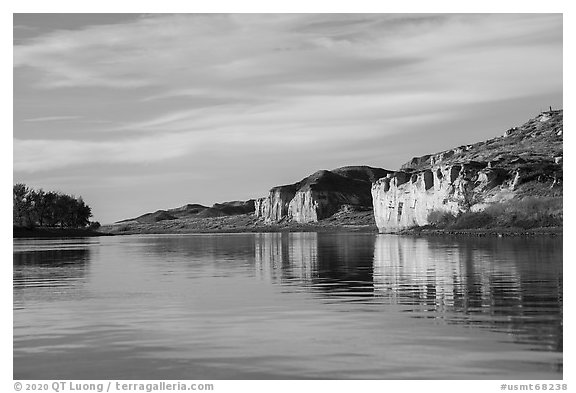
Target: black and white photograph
(287,196)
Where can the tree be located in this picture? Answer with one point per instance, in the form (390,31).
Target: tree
(39,205)
(21,205)
(31,207)
(63,210)
(94,225)
(50,217)
(81,213)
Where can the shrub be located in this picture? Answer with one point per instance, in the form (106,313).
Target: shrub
(94,225)
(472,220)
(526,213)
(440,218)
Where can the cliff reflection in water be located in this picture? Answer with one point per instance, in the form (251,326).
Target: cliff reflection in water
(510,285)
(335,264)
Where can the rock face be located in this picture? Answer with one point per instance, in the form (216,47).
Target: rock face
(274,207)
(319,195)
(526,160)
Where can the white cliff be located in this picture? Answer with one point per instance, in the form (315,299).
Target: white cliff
(319,195)
(274,207)
(405,200)
(472,177)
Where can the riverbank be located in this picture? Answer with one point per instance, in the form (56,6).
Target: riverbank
(18,233)
(484,232)
(350,222)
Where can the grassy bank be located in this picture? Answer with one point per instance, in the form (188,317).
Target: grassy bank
(20,232)
(342,221)
(483,232)
(527,217)
(525,214)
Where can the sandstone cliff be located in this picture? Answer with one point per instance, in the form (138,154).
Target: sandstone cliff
(319,195)
(525,161)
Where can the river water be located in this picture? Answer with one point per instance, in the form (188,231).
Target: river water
(287,306)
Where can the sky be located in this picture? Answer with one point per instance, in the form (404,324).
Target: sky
(137,113)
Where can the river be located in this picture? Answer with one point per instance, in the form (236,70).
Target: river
(287,306)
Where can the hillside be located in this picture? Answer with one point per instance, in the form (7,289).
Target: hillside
(320,195)
(195,211)
(539,140)
(511,181)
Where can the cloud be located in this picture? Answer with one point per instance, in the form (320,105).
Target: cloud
(251,137)
(263,55)
(203,50)
(186,82)
(43,155)
(51,118)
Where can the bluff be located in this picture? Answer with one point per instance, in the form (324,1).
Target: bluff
(320,195)
(196,211)
(525,161)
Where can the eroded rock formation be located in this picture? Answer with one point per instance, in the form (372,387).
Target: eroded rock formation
(470,178)
(319,195)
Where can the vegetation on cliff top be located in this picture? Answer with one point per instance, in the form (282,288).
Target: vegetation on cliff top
(539,140)
(349,179)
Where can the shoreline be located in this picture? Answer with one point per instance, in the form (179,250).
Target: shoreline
(484,232)
(259,229)
(417,232)
(48,233)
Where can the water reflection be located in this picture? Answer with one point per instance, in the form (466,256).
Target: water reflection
(335,264)
(49,273)
(506,285)
(220,255)
(509,285)
(287,305)
(212,247)
(283,257)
